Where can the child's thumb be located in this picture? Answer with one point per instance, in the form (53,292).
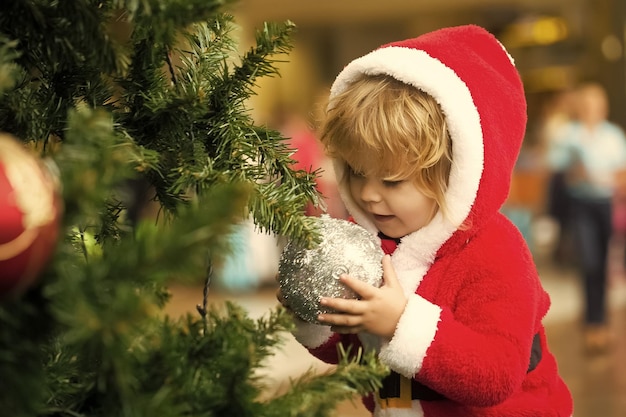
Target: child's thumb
(389,273)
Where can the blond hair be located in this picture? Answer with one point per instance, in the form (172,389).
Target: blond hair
(382,127)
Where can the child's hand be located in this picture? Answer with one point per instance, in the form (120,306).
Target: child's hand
(377,312)
(281,300)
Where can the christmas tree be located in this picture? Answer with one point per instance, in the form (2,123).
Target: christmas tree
(163,109)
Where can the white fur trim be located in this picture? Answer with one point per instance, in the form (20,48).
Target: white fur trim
(409,278)
(506,52)
(417,68)
(311,335)
(415,411)
(414,335)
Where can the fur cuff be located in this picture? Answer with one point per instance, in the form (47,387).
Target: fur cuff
(414,335)
(311,335)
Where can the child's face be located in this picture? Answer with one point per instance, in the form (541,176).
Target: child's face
(397,208)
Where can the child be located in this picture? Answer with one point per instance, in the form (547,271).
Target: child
(590,152)
(424,134)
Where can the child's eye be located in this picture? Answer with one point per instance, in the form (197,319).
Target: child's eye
(389,183)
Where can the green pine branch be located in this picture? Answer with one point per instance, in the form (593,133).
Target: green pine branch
(318,395)
(165,105)
(9,70)
(55,74)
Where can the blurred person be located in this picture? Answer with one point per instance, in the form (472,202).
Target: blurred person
(557,113)
(589,152)
(424,144)
(617,250)
(252,261)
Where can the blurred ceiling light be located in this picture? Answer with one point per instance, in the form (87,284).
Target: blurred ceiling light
(550,30)
(611,48)
(550,78)
(536,30)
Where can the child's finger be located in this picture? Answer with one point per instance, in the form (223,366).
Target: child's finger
(342,305)
(362,288)
(279,296)
(390,278)
(343,320)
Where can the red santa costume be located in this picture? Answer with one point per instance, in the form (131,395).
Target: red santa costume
(470,341)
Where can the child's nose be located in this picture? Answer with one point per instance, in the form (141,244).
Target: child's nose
(370,191)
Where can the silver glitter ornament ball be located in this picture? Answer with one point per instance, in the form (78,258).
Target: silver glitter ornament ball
(306,275)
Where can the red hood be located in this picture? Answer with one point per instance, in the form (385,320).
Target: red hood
(474,80)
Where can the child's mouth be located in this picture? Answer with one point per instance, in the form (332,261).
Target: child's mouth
(382,217)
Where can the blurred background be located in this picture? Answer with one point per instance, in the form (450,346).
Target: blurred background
(557,44)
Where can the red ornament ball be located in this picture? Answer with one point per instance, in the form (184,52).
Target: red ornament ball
(30,211)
